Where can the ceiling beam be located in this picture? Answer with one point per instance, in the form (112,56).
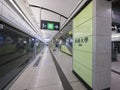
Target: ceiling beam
(49,10)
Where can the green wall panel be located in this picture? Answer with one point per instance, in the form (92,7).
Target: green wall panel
(84,73)
(82,44)
(85,15)
(84,29)
(83,58)
(65,49)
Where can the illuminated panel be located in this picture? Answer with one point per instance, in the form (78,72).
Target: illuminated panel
(49,25)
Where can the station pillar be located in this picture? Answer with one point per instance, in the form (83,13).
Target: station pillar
(101,44)
(92,44)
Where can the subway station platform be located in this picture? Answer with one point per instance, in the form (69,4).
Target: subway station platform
(48,73)
(52,70)
(59,45)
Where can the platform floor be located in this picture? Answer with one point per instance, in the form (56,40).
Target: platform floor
(42,74)
(116,67)
(115,76)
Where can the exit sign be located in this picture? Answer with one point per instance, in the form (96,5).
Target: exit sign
(50,25)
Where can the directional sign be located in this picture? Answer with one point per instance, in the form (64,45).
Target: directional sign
(56,26)
(50,25)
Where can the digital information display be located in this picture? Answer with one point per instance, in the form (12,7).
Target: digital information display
(50,25)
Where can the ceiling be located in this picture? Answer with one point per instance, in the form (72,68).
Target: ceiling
(63,7)
(58,11)
(53,10)
(61,11)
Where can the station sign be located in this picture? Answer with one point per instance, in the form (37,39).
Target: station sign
(81,41)
(50,25)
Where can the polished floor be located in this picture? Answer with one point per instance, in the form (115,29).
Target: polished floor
(43,74)
(53,71)
(115,66)
(115,76)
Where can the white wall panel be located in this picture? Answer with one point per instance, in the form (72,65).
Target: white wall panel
(9,16)
(26,9)
(36,13)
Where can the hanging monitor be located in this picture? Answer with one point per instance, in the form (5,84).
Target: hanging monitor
(50,25)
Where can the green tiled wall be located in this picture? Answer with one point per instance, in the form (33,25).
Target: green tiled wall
(82,44)
(65,49)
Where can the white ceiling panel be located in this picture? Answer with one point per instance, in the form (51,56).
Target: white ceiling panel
(49,16)
(57,10)
(64,7)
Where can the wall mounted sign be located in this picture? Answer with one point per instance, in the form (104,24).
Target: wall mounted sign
(81,41)
(50,25)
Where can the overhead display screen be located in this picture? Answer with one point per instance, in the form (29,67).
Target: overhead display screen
(50,25)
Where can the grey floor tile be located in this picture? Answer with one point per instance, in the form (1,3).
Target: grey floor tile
(78,86)
(115,81)
(52,87)
(115,66)
(43,77)
(65,62)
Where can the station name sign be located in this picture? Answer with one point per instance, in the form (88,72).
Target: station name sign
(81,41)
(50,25)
